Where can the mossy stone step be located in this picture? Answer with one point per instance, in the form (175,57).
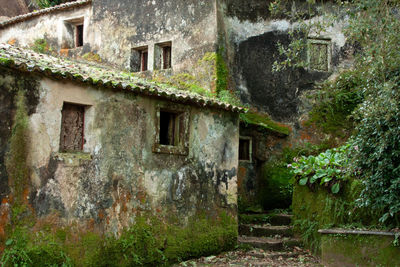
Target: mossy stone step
(268,243)
(271,218)
(265,230)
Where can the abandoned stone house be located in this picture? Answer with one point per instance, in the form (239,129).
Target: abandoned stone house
(142,144)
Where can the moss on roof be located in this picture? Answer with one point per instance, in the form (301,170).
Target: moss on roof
(264,121)
(101,75)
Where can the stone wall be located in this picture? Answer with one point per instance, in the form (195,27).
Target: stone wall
(117,175)
(113,30)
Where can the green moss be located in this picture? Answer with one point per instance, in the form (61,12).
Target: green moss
(360,250)
(264,121)
(335,102)
(92,57)
(6,61)
(221,72)
(149,242)
(275,189)
(40,46)
(16,158)
(319,209)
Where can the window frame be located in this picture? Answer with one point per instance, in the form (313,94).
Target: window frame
(84,110)
(159,56)
(319,41)
(72,38)
(77,44)
(250,139)
(182,148)
(137,53)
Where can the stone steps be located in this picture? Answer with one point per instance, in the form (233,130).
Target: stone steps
(269,243)
(265,230)
(266,218)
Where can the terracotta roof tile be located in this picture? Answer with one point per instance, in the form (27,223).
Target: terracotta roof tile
(100,75)
(40,12)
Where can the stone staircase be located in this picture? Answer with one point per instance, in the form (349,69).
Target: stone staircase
(271,232)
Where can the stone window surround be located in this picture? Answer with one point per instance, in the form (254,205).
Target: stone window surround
(152,48)
(137,59)
(87,112)
(68,38)
(159,57)
(183,147)
(250,139)
(319,40)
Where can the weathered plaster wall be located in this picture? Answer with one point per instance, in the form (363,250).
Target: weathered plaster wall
(118,176)
(47,26)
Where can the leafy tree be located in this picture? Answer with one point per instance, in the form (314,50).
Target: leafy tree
(50,3)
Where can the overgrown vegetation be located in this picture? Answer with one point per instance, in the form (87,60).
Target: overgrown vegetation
(328,169)
(335,102)
(362,104)
(264,121)
(149,242)
(50,3)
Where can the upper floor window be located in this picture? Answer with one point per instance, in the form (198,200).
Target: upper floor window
(79,35)
(163,56)
(139,59)
(73,33)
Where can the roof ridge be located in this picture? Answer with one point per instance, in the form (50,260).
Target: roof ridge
(26,60)
(40,12)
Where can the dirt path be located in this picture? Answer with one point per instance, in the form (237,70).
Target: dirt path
(257,257)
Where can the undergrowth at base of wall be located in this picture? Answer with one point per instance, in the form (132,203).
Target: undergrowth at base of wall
(319,209)
(149,242)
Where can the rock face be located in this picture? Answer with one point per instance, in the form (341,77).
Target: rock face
(121,170)
(14,8)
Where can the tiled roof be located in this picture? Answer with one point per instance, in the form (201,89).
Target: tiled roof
(98,75)
(40,12)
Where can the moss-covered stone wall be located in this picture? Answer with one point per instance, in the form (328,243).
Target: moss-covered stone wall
(316,208)
(359,250)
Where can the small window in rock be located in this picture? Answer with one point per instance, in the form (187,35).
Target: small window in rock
(319,54)
(163,56)
(139,59)
(72,128)
(79,35)
(245,149)
(170,125)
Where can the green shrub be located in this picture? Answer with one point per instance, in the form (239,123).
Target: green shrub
(329,168)
(335,101)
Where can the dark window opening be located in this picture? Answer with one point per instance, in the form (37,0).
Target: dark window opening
(144,55)
(169,128)
(139,59)
(166,57)
(72,128)
(244,149)
(79,35)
